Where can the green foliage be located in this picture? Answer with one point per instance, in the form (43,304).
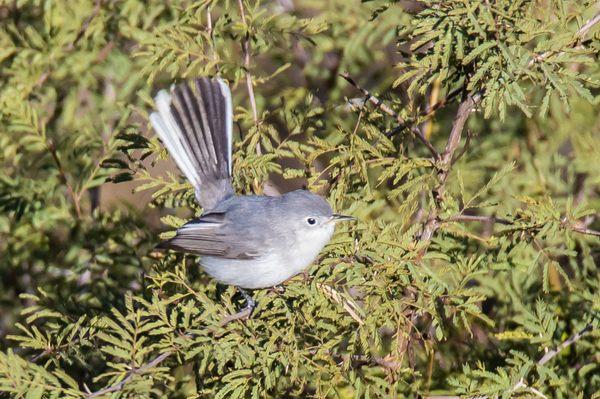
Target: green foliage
(476,308)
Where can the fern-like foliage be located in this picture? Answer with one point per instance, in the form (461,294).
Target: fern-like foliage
(464,137)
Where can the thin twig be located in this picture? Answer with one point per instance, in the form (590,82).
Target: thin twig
(348,304)
(85,25)
(579,35)
(465,147)
(246,50)
(130,375)
(464,110)
(584,230)
(63,177)
(574,338)
(543,360)
(243,314)
(493,219)
(382,106)
(477,218)
(71,46)
(429,111)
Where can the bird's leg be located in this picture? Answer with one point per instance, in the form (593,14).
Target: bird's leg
(280,289)
(244,313)
(250,302)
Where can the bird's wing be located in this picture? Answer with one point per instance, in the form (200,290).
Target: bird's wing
(212,235)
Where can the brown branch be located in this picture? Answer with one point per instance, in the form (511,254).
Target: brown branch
(63,177)
(71,46)
(382,106)
(492,219)
(246,50)
(574,338)
(130,375)
(454,93)
(584,230)
(465,147)
(464,110)
(85,25)
(429,111)
(477,218)
(243,314)
(578,35)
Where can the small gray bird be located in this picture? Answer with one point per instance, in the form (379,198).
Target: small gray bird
(247,241)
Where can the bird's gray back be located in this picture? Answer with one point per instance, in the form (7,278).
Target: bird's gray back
(245,227)
(259,220)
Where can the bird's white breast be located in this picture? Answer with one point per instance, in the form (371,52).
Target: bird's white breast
(272,268)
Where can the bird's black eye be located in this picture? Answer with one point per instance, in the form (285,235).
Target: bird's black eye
(311,221)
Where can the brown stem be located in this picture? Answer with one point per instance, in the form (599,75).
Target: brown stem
(464,110)
(429,111)
(477,218)
(71,46)
(454,93)
(584,230)
(85,25)
(246,50)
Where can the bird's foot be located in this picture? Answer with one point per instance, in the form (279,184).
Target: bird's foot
(250,302)
(243,314)
(280,289)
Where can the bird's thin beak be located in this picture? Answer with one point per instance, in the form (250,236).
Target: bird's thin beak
(336,217)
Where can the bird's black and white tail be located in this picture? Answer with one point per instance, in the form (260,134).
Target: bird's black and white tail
(194,121)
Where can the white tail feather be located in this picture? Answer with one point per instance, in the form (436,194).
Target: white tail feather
(168,131)
(227,95)
(195,124)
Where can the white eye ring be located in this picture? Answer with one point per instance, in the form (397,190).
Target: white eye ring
(311,221)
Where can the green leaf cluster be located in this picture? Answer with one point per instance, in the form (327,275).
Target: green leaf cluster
(501,301)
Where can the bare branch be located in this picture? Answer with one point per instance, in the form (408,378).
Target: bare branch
(429,111)
(579,35)
(464,110)
(85,26)
(574,338)
(246,49)
(584,230)
(454,93)
(382,106)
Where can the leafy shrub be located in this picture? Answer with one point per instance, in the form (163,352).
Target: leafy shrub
(462,134)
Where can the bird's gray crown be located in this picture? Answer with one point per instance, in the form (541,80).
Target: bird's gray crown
(306,203)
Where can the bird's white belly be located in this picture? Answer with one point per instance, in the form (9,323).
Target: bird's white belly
(266,271)
(262,272)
